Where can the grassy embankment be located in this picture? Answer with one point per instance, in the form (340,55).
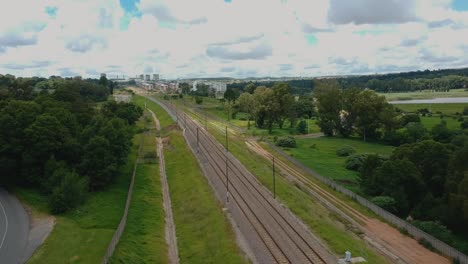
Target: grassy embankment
(82,235)
(204,235)
(326,225)
(426,94)
(446,109)
(143,240)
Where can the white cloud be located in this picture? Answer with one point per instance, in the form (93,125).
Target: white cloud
(179,38)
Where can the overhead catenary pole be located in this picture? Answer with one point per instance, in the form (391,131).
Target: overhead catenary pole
(198,144)
(227,168)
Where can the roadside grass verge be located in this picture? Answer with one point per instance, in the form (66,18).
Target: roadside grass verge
(447,109)
(82,235)
(332,229)
(319,154)
(204,235)
(143,240)
(163,117)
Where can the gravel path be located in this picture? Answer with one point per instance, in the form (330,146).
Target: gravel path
(170,233)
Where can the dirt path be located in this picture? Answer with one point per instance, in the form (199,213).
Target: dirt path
(170,233)
(387,239)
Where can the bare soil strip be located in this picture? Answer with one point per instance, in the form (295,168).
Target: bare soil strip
(171,238)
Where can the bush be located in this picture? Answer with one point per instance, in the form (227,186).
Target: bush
(355,161)
(286,142)
(69,193)
(345,151)
(385,202)
(465,111)
(198,99)
(301,127)
(436,229)
(464,124)
(410,118)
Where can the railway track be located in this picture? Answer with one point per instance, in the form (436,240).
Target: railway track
(286,239)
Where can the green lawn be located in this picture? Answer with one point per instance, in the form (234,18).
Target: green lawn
(448,109)
(143,240)
(326,225)
(425,95)
(430,122)
(82,235)
(203,233)
(319,154)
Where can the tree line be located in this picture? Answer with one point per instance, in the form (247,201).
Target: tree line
(60,142)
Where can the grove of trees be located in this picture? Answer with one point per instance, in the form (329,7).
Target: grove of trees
(59,141)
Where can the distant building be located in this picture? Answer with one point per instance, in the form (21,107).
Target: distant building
(194,86)
(147,78)
(155,77)
(142,76)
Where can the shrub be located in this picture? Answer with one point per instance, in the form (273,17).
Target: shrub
(355,161)
(286,142)
(345,151)
(198,99)
(69,193)
(385,202)
(465,111)
(301,127)
(436,229)
(464,124)
(410,118)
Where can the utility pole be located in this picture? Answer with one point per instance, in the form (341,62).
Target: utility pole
(274,179)
(227,142)
(198,144)
(227,168)
(206,127)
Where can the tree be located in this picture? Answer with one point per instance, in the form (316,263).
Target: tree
(250,88)
(185,88)
(230,95)
(302,127)
(283,101)
(103,81)
(247,105)
(329,100)
(441,133)
(98,163)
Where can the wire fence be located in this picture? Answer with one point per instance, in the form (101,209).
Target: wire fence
(417,233)
(118,232)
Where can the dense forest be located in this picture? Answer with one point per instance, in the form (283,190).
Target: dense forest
(54,137)
(436,80)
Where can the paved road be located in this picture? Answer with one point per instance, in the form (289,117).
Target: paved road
(14,229)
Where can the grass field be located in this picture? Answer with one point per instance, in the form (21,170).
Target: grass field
(143,240)
(319,154)
(82,235)
(448,109)
(430,122)
(326,225)
(425,95)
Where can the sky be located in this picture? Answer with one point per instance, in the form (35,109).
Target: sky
(231,38)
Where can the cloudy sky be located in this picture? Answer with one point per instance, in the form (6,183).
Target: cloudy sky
(234,38)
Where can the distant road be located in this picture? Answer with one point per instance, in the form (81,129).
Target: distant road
(14,229)
(451,100)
